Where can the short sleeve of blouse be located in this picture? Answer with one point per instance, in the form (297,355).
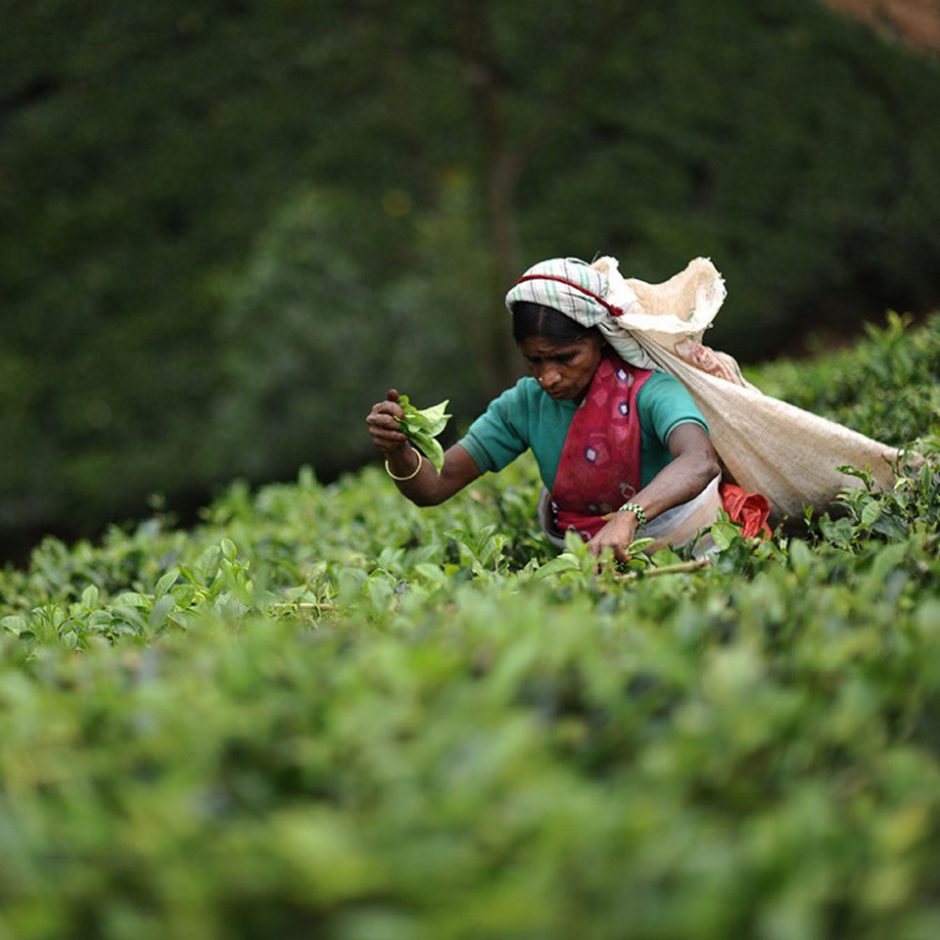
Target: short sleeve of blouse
(664,403)
(494,440)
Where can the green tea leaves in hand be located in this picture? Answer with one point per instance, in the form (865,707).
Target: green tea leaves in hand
(422,428)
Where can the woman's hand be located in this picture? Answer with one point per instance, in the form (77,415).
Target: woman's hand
(694,466)
(616,535)
(383,423)
(419,481)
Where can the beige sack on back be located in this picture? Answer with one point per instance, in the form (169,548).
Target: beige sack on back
(771,447)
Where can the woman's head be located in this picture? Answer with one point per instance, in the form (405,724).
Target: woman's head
(532,319)
(562,354)
(573,287)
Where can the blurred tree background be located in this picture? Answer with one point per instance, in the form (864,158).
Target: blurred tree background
(229,226)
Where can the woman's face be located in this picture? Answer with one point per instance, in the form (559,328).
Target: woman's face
(565,370)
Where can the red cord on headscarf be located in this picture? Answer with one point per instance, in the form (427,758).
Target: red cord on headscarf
(614,311)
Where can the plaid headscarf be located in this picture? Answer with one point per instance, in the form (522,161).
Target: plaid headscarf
(568,285)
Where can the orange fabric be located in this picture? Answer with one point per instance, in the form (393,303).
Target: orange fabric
(752,510)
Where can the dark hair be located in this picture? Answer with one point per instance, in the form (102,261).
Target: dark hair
(532,319)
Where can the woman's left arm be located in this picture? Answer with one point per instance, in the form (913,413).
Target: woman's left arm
(694,465)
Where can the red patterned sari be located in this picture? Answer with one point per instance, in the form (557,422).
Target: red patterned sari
(600,467)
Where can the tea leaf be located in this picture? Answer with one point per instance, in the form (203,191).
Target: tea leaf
(423,426)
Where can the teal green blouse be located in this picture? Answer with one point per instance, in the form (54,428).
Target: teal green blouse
(525,416)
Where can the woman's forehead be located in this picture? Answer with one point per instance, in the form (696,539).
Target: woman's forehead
(539,346)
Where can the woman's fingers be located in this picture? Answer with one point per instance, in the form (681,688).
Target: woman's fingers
(388,407)
(616,536)
(385,431)
(383,423)
(385,414)
(619,552)
(382,419)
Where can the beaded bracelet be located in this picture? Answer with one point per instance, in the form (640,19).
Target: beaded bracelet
(637,511)
(410,476)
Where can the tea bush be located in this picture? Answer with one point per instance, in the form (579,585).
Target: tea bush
(207,206)
(325,712)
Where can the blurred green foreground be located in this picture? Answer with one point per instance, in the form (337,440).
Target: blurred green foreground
(229,226)
(327,713)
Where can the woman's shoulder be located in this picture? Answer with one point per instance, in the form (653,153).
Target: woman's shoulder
(663,386)
(525,390)
(661,381)
(528,387)
(526,404)
(664,400)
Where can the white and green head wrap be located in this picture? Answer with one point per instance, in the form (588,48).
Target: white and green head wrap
(582,292)
(569,285)
(598,295)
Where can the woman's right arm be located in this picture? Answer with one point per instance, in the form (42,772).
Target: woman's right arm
(426,487)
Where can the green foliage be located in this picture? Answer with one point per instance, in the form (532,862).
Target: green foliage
(218,220)
(422,428)
(327,712)
(887,386)
(307,323)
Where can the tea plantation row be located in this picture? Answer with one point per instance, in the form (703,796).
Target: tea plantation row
(327,713)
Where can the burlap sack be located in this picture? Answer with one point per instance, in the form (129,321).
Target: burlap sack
(767,445)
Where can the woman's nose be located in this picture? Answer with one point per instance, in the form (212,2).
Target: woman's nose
(548,377)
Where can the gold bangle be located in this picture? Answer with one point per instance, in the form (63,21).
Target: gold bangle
(410,476)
